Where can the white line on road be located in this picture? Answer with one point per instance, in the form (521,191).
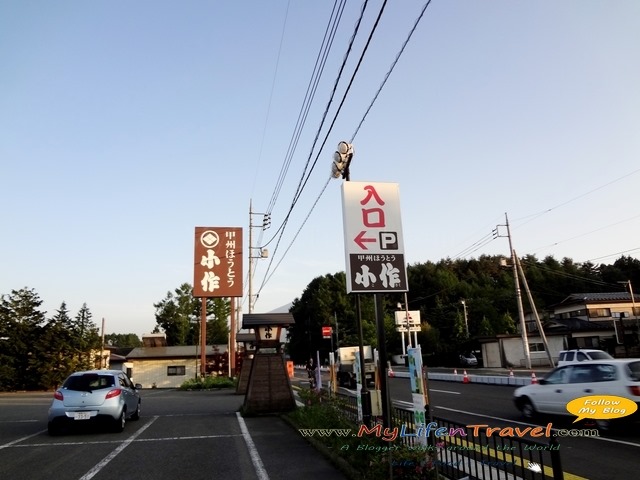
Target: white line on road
(253,451)
(508,420)
(21,439)
(95,470)
(444,391)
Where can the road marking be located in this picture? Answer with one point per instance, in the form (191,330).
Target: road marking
(444,391)
(21,439)
(508,420)
(105,442)
(95,470)
(253,451)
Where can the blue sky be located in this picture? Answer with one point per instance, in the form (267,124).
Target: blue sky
(124,125)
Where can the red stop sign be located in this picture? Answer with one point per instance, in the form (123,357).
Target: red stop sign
(326,332)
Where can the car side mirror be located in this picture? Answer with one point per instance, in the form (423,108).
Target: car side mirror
(542,381)
(138,386)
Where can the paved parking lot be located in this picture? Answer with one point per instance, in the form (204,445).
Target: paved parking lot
(195,435)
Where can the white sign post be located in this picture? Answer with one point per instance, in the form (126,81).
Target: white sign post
(374,245)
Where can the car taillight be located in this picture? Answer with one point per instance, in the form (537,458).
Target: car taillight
(635,390)
(113,393)
(58,396)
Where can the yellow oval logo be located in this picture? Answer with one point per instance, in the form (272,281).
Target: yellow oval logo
(601,407)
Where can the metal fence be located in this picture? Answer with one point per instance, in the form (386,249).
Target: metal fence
(471,453)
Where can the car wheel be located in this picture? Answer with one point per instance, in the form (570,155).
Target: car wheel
(527,409)
(118,424)
(136,414)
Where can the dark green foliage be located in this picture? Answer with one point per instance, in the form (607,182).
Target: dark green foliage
(436,289)
(36,353)
(208,383)
(178,316)
(122,340)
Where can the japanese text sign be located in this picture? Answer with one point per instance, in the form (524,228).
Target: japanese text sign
(374,245)
(218,262)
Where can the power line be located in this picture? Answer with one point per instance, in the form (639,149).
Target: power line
(393,65)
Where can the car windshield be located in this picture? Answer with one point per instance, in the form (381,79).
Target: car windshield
(88,382)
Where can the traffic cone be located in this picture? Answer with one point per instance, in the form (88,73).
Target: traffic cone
(465,379)
(511,372)
(391,372)
(534,380)
(455,371)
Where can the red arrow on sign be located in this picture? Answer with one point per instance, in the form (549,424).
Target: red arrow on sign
(360,240)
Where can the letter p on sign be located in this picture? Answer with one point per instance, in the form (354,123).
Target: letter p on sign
(388,241)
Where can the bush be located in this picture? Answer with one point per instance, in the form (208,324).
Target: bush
(360,457)
(208,383)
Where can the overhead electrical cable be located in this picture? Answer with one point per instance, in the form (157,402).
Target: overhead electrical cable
(321,58)
(273,83)
(306,175)
(303,184)
(318,69)
(393,65)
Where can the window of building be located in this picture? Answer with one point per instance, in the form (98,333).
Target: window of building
(599,312)
(536,347)
(176,371)
(587,342)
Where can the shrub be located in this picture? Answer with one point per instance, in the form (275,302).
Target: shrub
(367,456)
(208,383)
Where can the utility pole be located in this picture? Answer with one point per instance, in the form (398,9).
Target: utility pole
(633,307)
(266,222)
(535,313)
(340,167)
(523,329)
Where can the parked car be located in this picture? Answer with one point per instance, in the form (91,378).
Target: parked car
(106,396)
(468,360)
(581,355)
(620,377)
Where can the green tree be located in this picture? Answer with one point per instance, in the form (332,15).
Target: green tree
(21,321)
(178,316)
(85,337)
(57,354)
(122,340)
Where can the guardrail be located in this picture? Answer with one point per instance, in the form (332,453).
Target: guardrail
(486,379)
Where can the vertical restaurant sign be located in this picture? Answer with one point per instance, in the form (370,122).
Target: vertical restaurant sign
(217,264)
(374,245)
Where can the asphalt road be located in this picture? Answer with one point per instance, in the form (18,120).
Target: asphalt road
(610,457)
(192,435)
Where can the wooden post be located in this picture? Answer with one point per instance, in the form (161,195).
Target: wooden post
(203,338)
(232,338)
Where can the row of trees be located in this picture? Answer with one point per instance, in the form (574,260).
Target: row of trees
(37,352)
(436,290)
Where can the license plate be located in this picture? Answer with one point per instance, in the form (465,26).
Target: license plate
(81,416)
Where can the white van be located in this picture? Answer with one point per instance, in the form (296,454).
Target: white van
(576,356)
